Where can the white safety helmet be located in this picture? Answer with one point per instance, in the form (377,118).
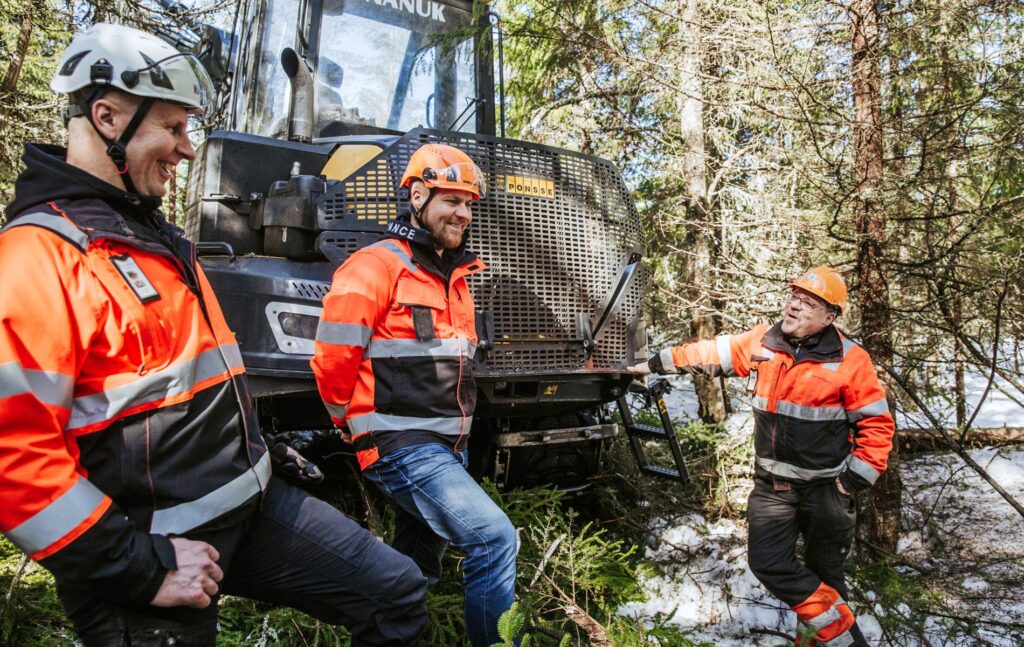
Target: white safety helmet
(108,57)
(133,61)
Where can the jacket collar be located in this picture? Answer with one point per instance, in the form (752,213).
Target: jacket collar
(826,346)
(101,210)
(421,245)
(48,177)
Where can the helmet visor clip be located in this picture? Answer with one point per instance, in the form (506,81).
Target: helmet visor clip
(101,72)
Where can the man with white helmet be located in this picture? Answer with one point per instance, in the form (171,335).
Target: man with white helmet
(822,431)
(130,456)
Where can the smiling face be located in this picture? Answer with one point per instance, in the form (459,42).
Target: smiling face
(805,314)
(159,144)
(446,216)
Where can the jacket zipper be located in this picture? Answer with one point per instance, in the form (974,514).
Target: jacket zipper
(191,278)
(773,407)
(458,385)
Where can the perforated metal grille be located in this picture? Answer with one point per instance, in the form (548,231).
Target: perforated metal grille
(369,196)
(310,289)
(555,230)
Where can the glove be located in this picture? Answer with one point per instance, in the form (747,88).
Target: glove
(851,482)
(294,467)
(656,365)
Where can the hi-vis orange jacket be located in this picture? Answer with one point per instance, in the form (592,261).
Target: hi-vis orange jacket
(124,412)
(394,349)
(819,412)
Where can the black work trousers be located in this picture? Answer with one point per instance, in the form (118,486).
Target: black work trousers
(824,517)
(296,551)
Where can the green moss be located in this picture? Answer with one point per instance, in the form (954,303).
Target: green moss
(32,615)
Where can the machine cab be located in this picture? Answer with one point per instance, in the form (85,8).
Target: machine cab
(374,67)
(323,102)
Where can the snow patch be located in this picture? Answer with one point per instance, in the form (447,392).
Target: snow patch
(997,410)
(971,550)
(705,584)
(909,541)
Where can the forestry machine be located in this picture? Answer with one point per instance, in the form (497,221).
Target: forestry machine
(321,103)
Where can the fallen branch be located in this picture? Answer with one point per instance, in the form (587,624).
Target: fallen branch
(914,440)
(595,631)
(1017,626)
(893,557)
(547,557)
(771,632)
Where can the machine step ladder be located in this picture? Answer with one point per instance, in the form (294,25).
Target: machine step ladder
(638,433)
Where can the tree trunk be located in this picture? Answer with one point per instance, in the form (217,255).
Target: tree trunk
(882,503)
(952,177)
(10,81)
(956,290)
(700,228)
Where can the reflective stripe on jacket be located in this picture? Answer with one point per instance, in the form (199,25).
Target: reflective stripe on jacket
(395,345)
(124,412)
(817,417)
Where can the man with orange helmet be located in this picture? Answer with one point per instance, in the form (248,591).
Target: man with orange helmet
(822,431)
(394,364)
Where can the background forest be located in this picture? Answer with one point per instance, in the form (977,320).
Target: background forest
(759,137)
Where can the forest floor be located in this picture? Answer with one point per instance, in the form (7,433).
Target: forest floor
(955,580)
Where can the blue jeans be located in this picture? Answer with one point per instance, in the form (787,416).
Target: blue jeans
(437,503)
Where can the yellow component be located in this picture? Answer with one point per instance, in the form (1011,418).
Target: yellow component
(348,158)
(531,186)
(551,389)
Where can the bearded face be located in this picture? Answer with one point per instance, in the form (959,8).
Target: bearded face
(446,216)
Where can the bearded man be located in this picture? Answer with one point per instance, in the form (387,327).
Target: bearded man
(394,365)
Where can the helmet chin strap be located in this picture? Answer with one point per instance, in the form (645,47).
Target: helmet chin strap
(117,149)
(416,212)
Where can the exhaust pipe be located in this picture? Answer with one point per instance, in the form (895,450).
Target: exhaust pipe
(300,111)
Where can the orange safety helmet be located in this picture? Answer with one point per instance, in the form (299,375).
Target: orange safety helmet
(825,283)
(440,166)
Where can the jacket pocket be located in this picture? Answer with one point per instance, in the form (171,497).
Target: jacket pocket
(418,308)
(410,292)
(144,313)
